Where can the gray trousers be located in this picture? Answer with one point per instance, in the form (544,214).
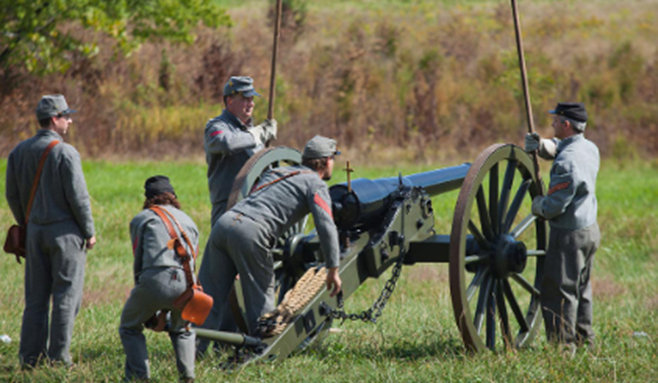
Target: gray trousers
(54,267)
(156,290)
(239,245)
(218,210)
(226,321)
(566,289)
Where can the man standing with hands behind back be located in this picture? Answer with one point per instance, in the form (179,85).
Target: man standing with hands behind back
(570,206)
(60,230)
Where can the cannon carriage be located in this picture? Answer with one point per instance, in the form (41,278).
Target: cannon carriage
(495,249)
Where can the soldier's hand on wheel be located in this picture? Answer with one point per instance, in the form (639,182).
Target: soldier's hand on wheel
(334,282)
(532,142)
(537,206)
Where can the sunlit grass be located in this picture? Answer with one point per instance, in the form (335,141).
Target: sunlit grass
(415,340)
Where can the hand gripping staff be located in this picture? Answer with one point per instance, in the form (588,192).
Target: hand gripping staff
(195,305)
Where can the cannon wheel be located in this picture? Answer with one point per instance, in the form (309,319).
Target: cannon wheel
(491,288)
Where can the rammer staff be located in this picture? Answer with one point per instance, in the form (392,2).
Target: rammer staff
(275,46)
(524,81)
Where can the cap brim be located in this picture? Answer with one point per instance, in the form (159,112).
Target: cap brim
(250,93)
(552,111)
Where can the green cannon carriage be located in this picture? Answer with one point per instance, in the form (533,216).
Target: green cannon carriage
(495,249)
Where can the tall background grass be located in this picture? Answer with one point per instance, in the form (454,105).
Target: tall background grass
(437,77)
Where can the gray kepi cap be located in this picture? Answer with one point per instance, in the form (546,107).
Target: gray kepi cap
(52,105)
(240,84)
(320,147)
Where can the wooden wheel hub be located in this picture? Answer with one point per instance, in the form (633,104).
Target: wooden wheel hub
(511,256)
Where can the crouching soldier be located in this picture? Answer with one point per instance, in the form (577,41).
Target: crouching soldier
(159,280)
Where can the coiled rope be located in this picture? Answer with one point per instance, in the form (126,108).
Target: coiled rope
(308,286)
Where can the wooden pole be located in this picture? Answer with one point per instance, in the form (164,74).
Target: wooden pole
(526,90)
(275,46)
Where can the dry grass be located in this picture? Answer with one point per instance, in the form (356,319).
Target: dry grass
(418,82)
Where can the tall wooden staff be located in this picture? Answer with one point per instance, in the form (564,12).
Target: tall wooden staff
(233,298)
(275,46)
(526,91)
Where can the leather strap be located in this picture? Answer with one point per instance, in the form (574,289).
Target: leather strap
(177,246)
(35,184)
(281,179)
(182,232)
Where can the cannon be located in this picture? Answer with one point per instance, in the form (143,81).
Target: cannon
(495,249)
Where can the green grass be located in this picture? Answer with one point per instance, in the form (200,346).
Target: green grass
(415,340)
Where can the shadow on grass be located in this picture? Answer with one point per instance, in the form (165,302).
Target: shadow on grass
(413,349)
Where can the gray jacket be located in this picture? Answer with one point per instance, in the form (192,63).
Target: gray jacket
(571,200)
(62,192)
(277,206)
(149,237)
(228,146)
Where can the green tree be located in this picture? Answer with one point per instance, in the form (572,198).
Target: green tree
(34,33)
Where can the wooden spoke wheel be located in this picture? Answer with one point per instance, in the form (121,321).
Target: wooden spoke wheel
(495,291)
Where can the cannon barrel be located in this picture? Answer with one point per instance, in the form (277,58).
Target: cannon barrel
(369,200)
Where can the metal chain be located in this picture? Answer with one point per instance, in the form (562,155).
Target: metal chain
(375,311)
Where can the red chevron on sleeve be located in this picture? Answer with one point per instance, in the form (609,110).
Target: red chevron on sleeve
(323,204)
(135,245)
(557,187)
(213,134)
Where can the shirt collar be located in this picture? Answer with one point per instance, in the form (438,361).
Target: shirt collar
(234,120)
(569,140)
(49,133)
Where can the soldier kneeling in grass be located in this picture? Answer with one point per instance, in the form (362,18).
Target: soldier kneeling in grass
(159,280)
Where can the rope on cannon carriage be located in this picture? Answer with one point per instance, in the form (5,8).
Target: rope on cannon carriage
(309,285)
(275,322)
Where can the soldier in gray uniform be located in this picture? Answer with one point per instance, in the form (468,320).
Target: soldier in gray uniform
(230,140)
(242,239)
(59,232)
(159,280)
(570,207)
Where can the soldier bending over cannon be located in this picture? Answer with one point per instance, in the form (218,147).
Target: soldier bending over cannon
(242,240)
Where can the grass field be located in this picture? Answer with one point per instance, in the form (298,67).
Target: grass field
(415,340)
